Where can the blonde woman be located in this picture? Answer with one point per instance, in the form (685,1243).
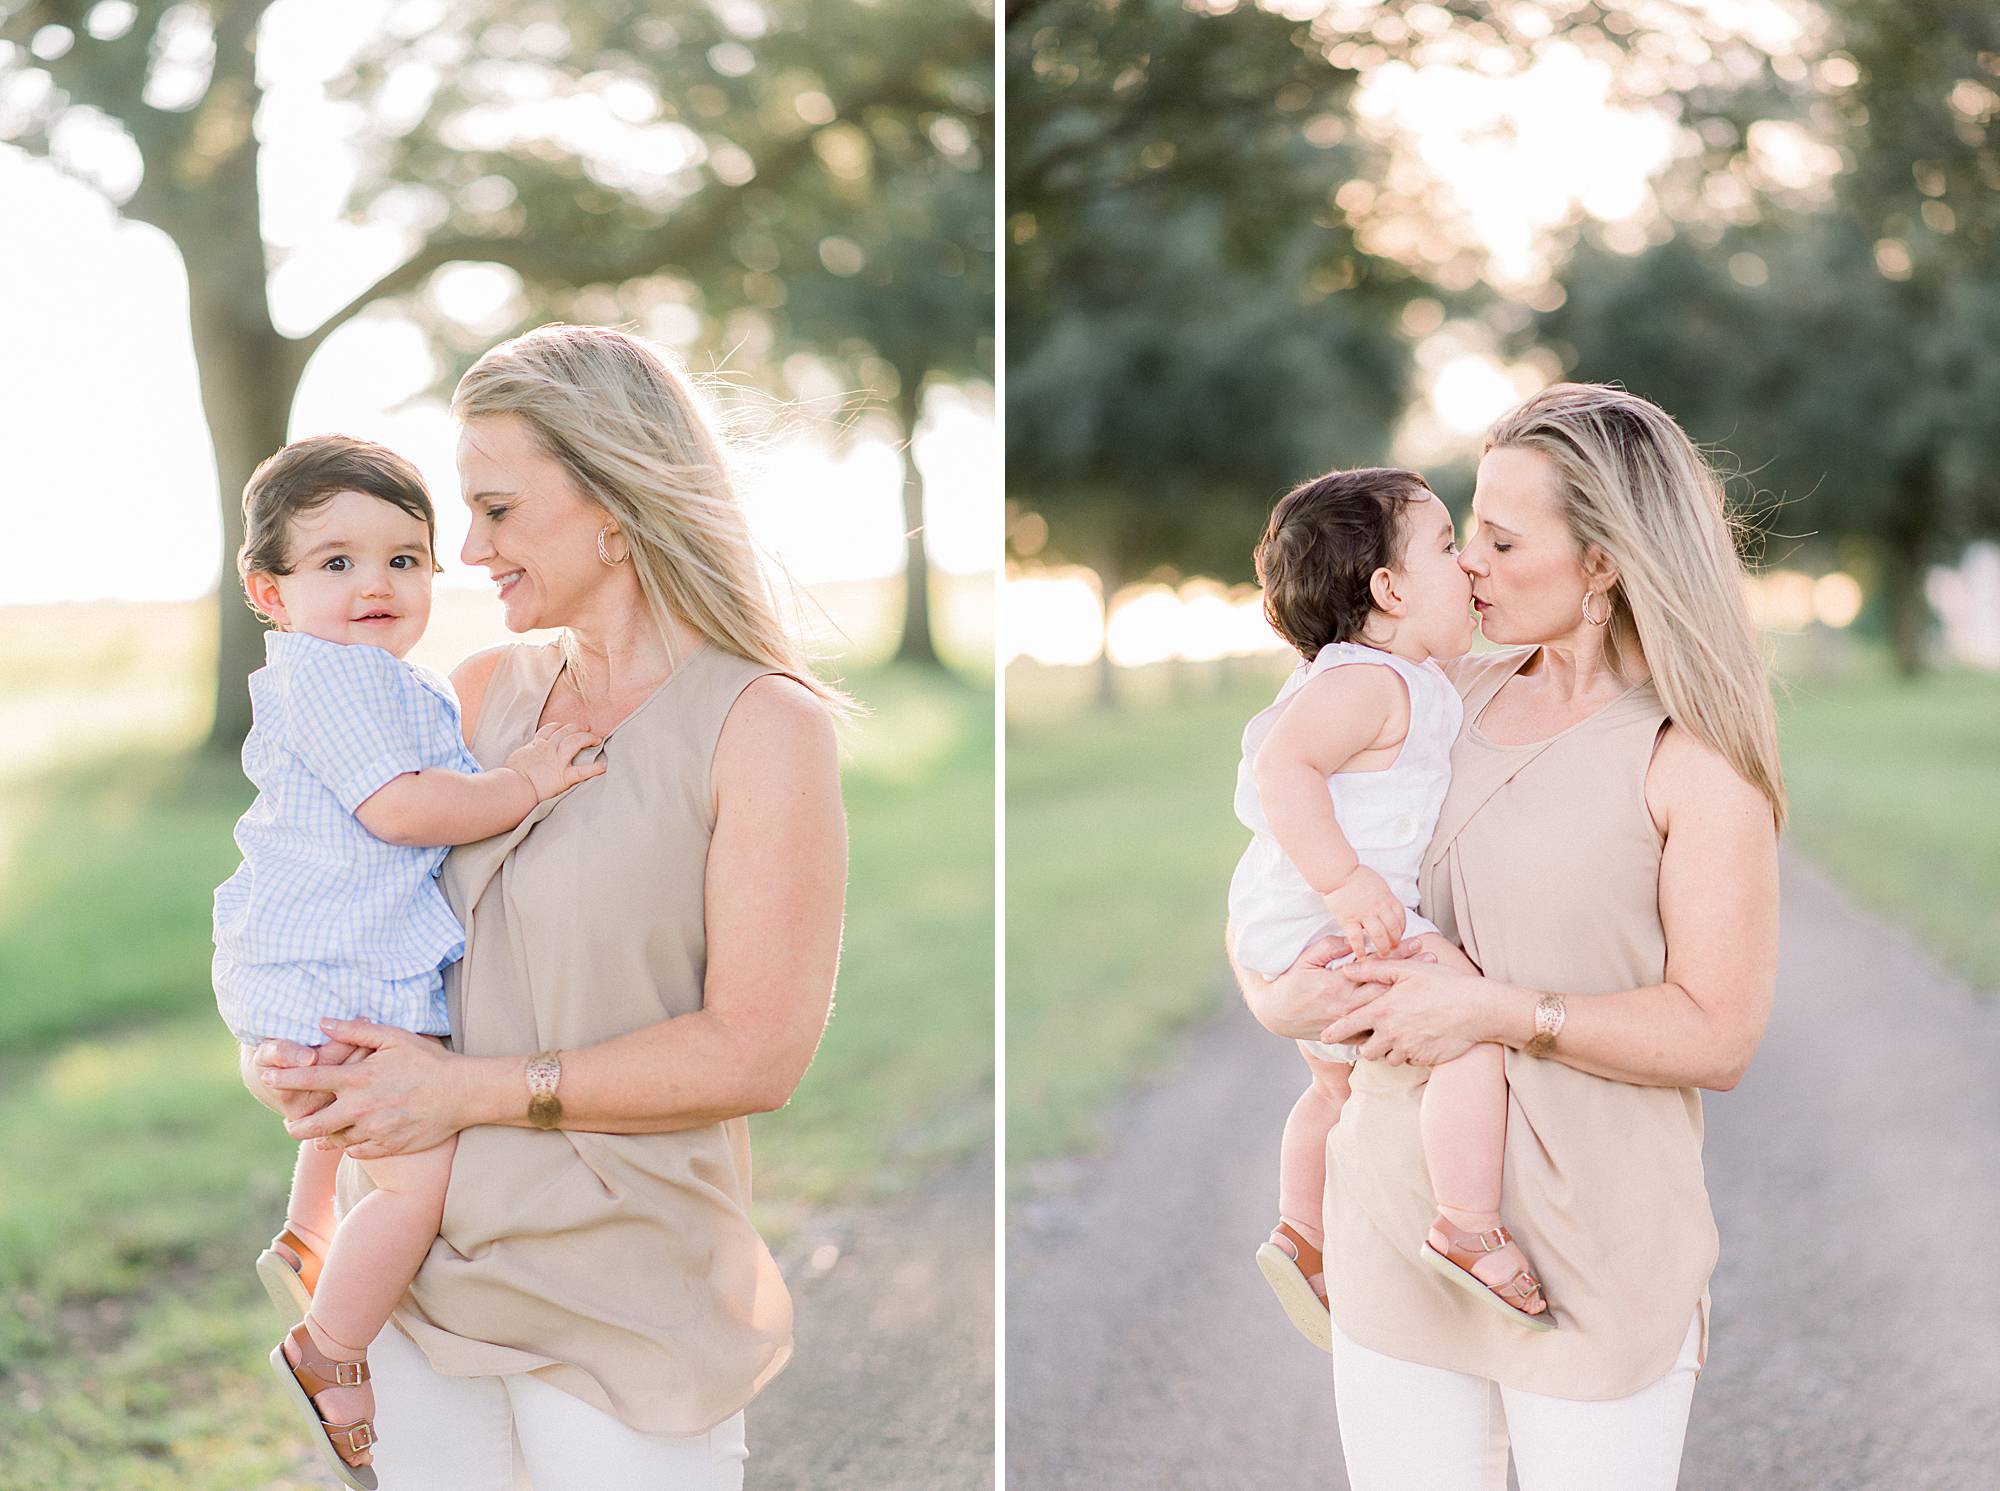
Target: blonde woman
(1607,855)
(649,958)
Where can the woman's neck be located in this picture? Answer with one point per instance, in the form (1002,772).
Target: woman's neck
(627,650)
(1576,669)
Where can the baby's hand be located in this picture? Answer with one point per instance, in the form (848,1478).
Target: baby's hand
(549,760)
(1367,911)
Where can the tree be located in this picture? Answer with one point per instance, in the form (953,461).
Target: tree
(1847,352)
(703,121)
(1191,324)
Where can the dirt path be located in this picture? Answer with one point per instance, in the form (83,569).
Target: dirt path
(890,1387)
(1856,1181)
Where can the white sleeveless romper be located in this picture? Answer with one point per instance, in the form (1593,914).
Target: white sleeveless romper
(1387,816)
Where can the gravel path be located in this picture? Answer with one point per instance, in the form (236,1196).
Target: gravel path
(1856,1334)
(890,1387)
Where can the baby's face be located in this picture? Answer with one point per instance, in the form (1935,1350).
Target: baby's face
(361,572)
(1437,591)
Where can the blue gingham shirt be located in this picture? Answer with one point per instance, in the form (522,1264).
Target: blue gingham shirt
(324,920)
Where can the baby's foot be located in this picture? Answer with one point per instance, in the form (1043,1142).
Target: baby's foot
(1294,1269)
(289,1269)
(1483,1248)
(339,1404)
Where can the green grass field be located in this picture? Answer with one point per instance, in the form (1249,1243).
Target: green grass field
(139,1178)
(1120,840)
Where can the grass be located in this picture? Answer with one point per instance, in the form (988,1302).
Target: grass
(1895,788)
(1120,840)
(139,1177)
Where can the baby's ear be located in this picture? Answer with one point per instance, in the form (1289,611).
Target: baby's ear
(1382,591)
(261,590)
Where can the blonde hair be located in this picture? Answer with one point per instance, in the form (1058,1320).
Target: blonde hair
(622,420)
(1635,486)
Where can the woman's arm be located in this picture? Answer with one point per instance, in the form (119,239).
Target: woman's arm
(776,878)
(1719,909)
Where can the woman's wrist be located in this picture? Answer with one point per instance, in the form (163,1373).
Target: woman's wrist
(494,1090)
(1510,1013)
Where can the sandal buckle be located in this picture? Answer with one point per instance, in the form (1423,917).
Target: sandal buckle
(349,1374)
(362,1436)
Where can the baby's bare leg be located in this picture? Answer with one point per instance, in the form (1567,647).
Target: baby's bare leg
(1302,1155)
(376,1252)
(1464,1126)
(379,1246)
(309,1212)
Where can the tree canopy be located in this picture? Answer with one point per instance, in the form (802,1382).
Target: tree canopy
(725,159)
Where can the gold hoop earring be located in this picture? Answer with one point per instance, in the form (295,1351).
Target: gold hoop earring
(603,550)
(1592,619)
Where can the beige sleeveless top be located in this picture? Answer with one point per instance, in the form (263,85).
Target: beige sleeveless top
(1545,868)
(621,1268)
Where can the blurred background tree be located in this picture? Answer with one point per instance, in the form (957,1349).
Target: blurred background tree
(614,157)
(1252,239)
(1190,321)
(1248,242)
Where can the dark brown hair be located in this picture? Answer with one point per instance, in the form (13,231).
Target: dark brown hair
(1325,540)
(308,474)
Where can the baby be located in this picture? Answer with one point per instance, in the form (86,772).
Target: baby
(362,776)
(1341,781)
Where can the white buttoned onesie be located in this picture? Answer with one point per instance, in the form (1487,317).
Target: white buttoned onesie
(1387,816)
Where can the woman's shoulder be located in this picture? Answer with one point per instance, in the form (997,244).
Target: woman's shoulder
(472,678)
(1687,774)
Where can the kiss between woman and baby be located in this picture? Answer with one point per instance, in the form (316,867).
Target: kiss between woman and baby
(1491,1204)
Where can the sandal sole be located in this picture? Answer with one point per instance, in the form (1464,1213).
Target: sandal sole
(287,1290)
(1471,1285)
(1302,1306)
(360,1477)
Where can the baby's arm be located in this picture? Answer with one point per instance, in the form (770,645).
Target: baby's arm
(1334,718)
(439,806)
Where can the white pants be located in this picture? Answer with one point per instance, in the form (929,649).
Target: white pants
(1406,1427)
(514,1433)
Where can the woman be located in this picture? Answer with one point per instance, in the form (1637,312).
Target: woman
(1610,835)
(649,958)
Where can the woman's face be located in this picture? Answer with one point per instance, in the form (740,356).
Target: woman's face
(1527,582)
(531,529)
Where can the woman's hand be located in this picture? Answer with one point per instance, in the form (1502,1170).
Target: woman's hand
(1299,1002)
(396,1097)
(1411,1010)
(289,1102)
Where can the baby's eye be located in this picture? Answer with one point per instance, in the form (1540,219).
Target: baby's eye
(403,561)
(338,564)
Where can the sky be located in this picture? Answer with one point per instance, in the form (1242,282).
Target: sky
(107,479)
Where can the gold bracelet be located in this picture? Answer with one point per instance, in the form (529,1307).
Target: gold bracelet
(1548,1025)
(544,1074)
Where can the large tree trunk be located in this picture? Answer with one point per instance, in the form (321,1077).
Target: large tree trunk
(1908,548)
(916,646)
(247,384)
(1111,579)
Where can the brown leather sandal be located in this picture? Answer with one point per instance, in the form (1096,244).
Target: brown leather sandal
(1512,1297)
(289,1271)
(339,1445)
(1296,1273)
